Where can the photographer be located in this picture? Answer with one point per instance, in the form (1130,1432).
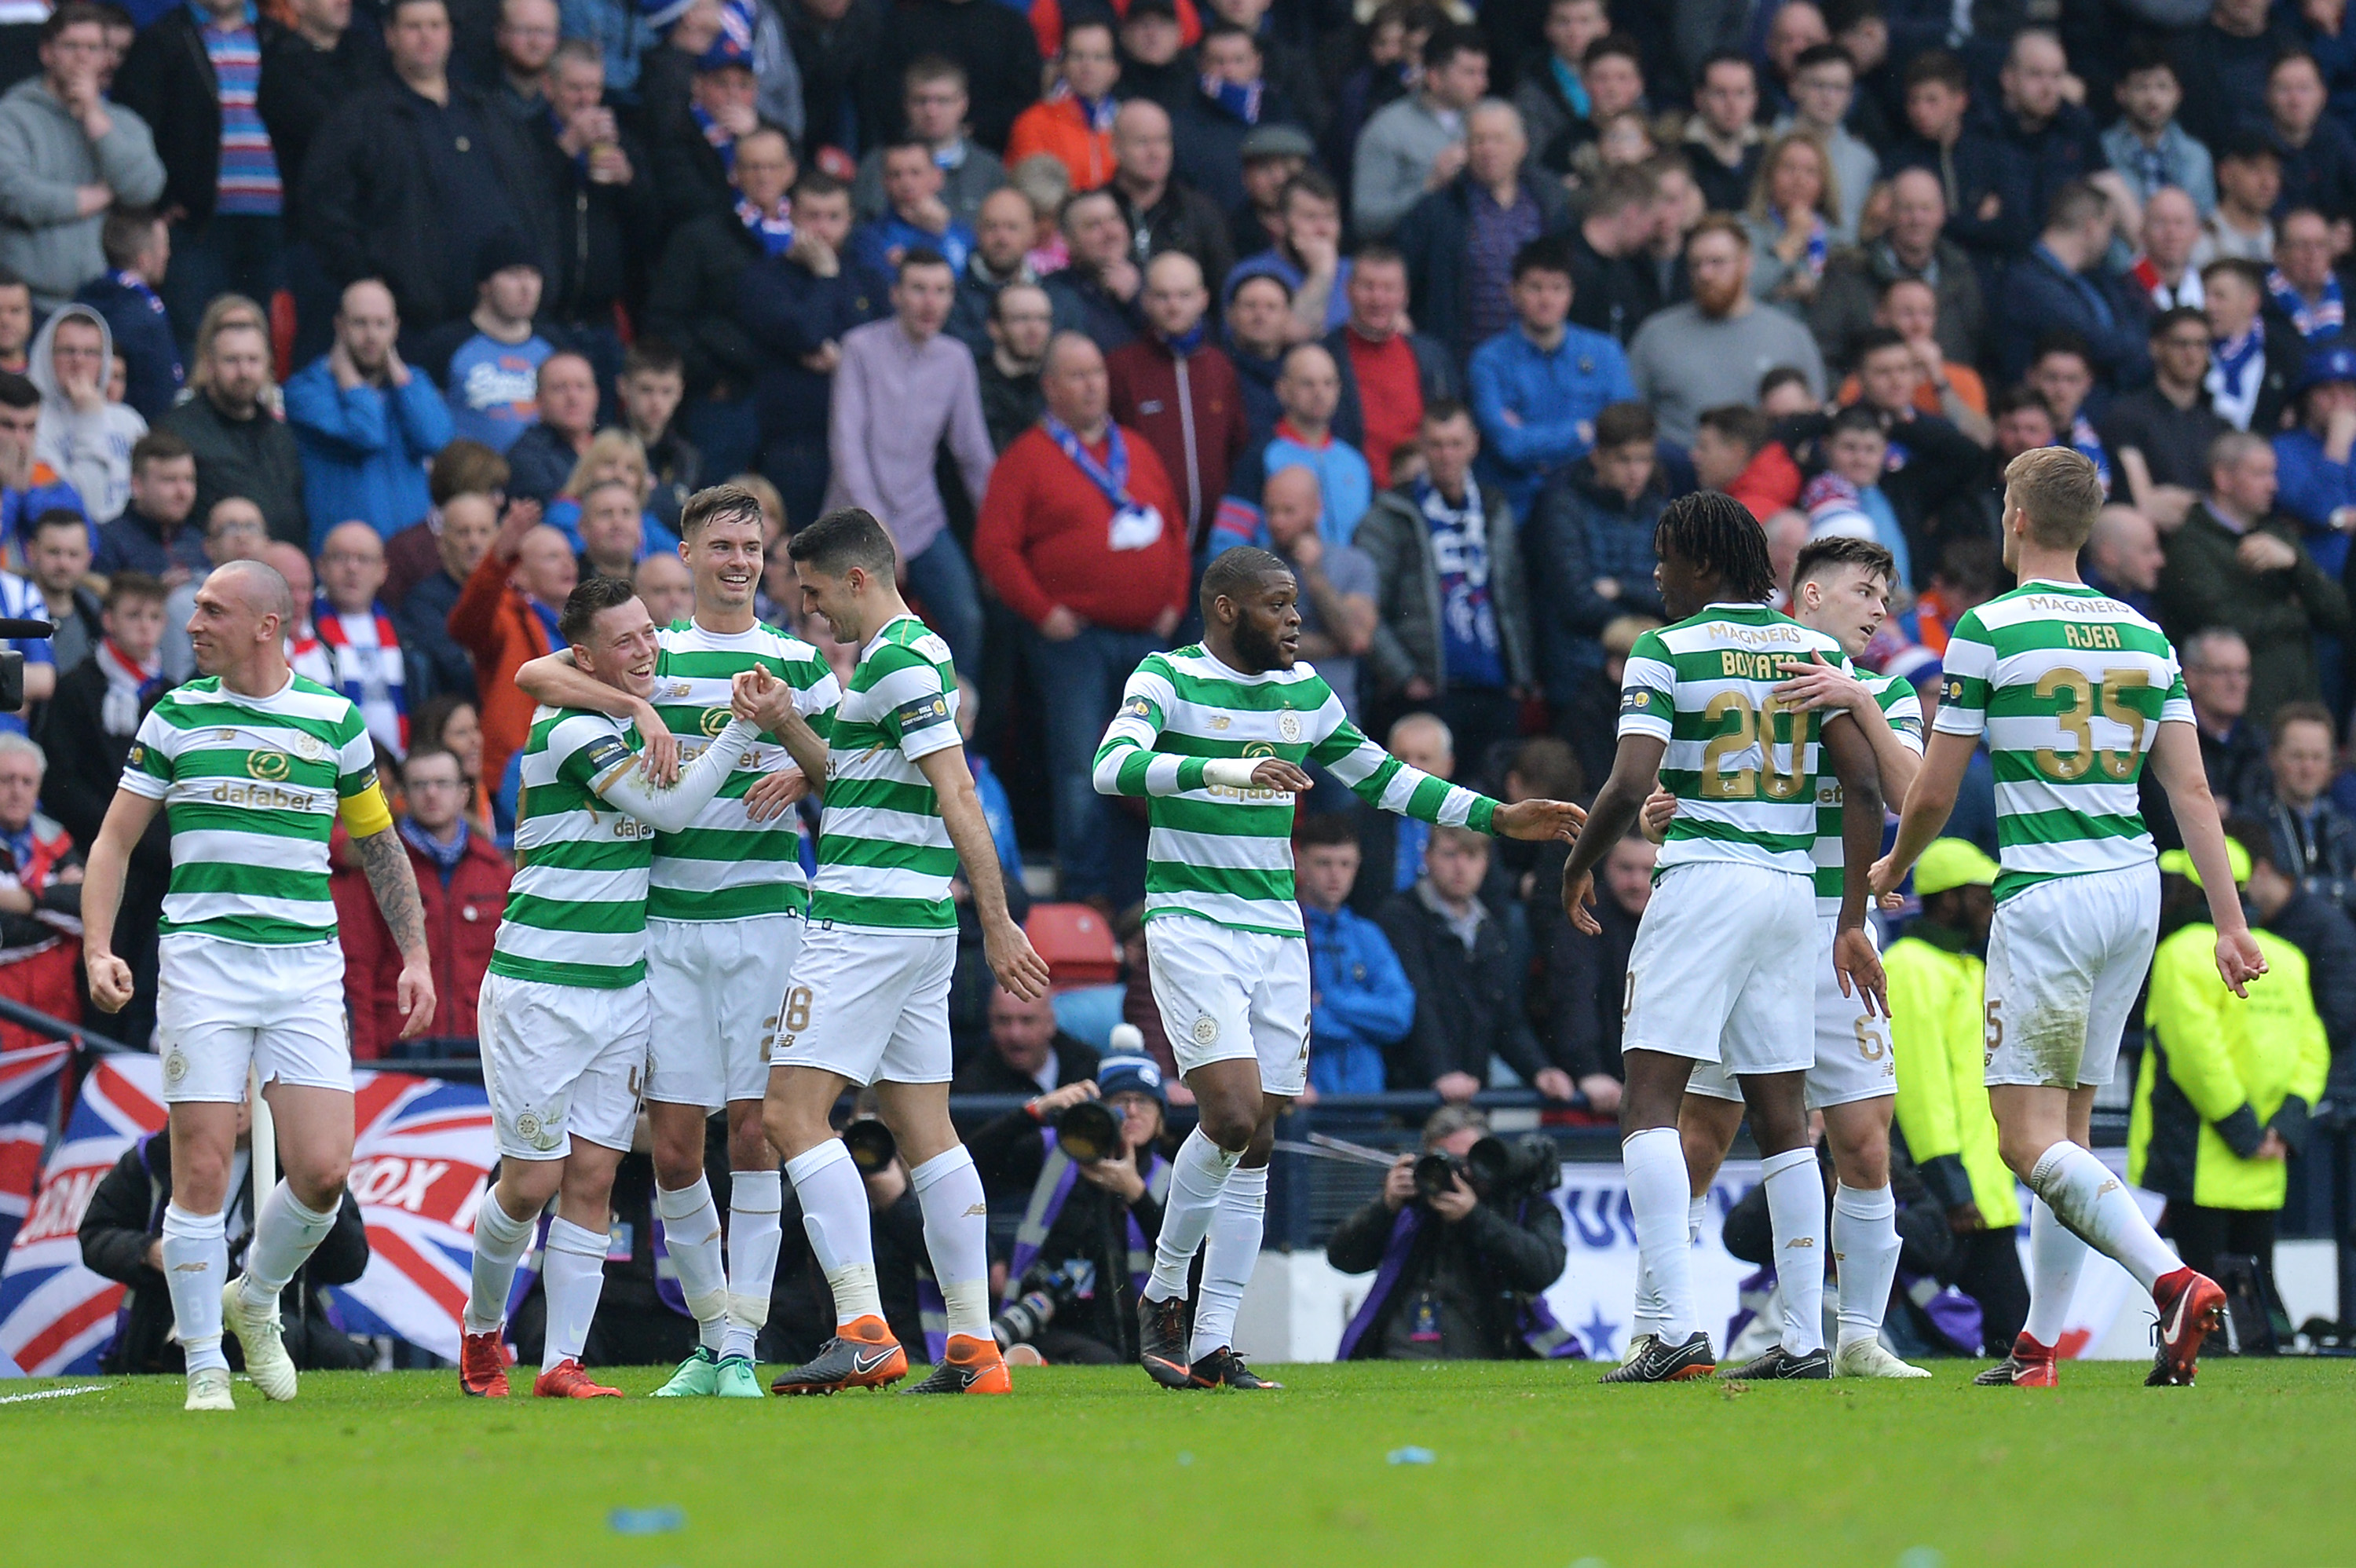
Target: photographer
(1087,1233)
(1460,1269)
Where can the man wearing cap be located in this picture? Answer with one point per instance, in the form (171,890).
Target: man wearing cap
(1936,1028)
(1100,1215)
(487,362)
(1270,156)
(2314,479)
(695,149)
(2222,1094)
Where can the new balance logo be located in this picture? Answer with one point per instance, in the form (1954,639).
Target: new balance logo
(190,1268)
(1797,1242)
(981,1209)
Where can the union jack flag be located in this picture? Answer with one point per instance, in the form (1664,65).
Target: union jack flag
(57,1317)
(418,1170)
(29,1080)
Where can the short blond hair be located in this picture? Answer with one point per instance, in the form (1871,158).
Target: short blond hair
(2060,490)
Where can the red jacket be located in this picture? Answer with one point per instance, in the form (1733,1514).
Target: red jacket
(1043,538)
(461,919)
(494,621)
(1770,483)
(1194,407)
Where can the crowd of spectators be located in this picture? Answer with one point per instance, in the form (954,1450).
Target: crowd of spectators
(441,307)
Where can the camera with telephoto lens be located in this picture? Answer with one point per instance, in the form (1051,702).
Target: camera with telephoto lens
(1089,1131)
(11,663)
(1529,1163)
(1045,1293)
(870,1144)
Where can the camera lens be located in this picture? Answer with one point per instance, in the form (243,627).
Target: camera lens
(1435,1174)
(1089,1132)
(871,1145)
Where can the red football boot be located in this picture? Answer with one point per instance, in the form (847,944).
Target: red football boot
(567,1380)
(482,1366)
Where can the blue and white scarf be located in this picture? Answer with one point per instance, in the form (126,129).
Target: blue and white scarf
(1242,102)
(1111,476)
(136,284)
(2322,319)
(774,230)
(2237,370)
(1099,114)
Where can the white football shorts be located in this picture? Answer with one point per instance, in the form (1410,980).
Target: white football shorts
(1723,968)
(223,1006)
(561,1063)
(868,1006)
(1225,995)
(716,988)
(2066,961)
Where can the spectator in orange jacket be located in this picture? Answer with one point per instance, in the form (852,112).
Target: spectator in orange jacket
(462,881)
(505,617)
(1073,124)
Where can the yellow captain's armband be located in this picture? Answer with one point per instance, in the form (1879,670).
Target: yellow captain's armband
(366,812)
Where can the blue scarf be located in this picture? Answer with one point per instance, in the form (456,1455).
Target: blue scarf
(723,142)
(1574,90)
(1099,114)
(1243,102)
(774,230)
(548,624)
(1819,242)
(20,847)
(445,857)
(1186,343)
(2322,319)
(1111,476)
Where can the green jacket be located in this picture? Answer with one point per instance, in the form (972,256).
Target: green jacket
(2278,613)
(1937,1027)
(2218,1071)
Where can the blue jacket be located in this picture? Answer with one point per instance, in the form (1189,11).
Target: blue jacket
(19,509)
(2310,488)
(2184,163)
(1553,397)
(1360,1001)
(143,336)
(364,450)
(877,239)
(789,311)
(2040,295)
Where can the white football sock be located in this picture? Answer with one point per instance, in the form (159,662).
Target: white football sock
(1647,1314)
(1659,1200)
(1196,1177)
(755,1198)
(572,1276)
(286,1233)
(2055,1259)
(2088,1199)
(196,1262)
(957,1237)
(1229,1257)
(692,1235)
(1865,1245)
(834,1214)
(1795,1210)
(499,1242)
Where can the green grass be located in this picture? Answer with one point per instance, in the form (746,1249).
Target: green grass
(1536,1468)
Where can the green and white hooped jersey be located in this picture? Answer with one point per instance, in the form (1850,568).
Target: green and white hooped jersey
(576,910)
(726,866)
(1746,770)
(251,787)
(884,859)
(1224,853)
(2071,687)
(1905,710)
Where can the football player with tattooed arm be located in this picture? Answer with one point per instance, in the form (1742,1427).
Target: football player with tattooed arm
(252,766)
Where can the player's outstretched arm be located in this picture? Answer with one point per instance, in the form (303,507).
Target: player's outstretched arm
(1929,803)
(1827,687)
(553,680)
(2176,759)
(1635,770)
(1019,969)
(101,896)
(669,810)
(1856,964)
(394,884)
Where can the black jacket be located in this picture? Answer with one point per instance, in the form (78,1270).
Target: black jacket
(988,1072)
(1183,220)
(167,79)
(689,177)
(603,229)
(993,42)
(832,57)
(2322,931)
(787,311)
(1476,1271)
(540,462)
(691,302)
(2318,849)
(255,458)
(1468,1005)
(126,1212)
(372,209)
(85,763)
(302,88)
(1011,1156)
(1584,985)
(1436,236)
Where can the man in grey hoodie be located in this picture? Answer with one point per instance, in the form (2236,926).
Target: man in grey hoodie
(82,435)
(66,155)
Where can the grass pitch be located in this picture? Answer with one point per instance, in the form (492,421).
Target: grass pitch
(1533,1466)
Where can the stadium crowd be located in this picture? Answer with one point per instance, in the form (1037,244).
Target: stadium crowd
(439,306)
